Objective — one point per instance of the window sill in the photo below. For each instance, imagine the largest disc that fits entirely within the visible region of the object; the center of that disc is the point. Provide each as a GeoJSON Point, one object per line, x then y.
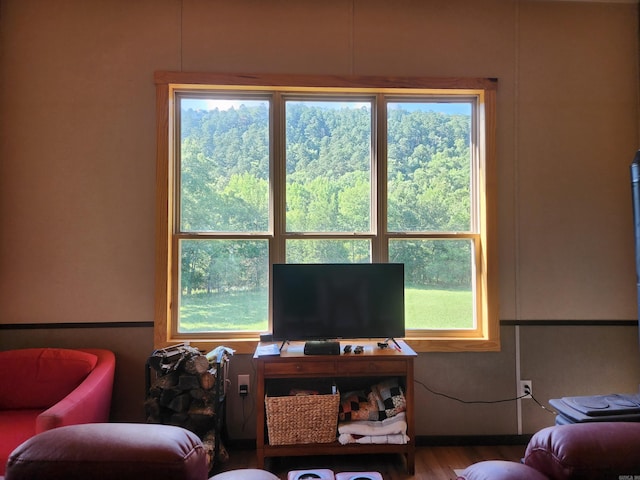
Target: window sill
{"type": "Point", "coordinates": [418, 344]}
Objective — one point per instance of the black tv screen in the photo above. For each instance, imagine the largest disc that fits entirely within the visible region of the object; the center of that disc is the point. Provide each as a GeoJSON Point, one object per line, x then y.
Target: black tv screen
{"type": "Point", "coordinates": [331, 301]}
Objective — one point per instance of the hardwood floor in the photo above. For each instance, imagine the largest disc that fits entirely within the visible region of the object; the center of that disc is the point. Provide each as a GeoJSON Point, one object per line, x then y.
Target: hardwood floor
{"type": "Point", "coordinates": [432, 463]}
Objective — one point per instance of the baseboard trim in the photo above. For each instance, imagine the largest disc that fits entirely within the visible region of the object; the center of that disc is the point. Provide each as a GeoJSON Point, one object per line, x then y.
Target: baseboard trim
{"type": "Point", "coordinates": [423, 441]}
{"type": "Point", "coordinates": [240, 443]}
{"type": "Point", "coordinates": [470, 440]}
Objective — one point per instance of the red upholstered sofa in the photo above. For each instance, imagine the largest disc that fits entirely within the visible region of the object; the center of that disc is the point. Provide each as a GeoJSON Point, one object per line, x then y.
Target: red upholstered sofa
{"type": "Point", "coordinates": [45, 388]}
{"type": "Point", "coordinates": [584, 451]}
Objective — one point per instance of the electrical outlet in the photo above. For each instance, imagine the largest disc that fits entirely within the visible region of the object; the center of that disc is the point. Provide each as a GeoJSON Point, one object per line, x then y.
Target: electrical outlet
{"type": "Point", "coordinates": [243, 385]}
{"type": "Point", "coordinates": [526, 390]}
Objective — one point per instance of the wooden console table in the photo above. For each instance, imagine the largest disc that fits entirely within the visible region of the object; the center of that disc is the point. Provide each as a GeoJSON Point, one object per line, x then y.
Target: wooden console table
{"type": "Point", "coordinates": [293, 364]}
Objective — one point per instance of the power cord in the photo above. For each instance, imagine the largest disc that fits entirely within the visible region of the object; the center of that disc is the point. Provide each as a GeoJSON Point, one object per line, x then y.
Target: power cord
{"type": "Point", "coordinates": [450, 397]}
{"type": "Point", "coordinates": [550, 410]}
{"type": "Point", "coordinates": [244, 417]}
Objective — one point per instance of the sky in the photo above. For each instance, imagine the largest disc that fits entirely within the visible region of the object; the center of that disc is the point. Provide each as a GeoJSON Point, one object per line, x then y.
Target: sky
{"type": "Point", "coordinates": [443, 107]}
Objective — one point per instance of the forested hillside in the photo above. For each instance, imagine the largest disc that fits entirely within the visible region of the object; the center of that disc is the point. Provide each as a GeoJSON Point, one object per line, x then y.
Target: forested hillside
{"type": "Point", "coordinates": [225, 187]}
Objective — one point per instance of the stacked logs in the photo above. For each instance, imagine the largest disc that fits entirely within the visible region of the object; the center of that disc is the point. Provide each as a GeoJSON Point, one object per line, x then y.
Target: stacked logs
{"type": "Point", "coordinates": [185, 392]}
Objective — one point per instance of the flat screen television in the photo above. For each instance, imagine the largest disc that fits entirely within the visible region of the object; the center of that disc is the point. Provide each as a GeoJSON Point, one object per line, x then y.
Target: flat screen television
{"type": "Point", "coordinates": [338, 301]}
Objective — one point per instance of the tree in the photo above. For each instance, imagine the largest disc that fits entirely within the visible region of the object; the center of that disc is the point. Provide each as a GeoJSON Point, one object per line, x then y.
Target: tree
{"type": "Point", "coordinates": [224, 179]}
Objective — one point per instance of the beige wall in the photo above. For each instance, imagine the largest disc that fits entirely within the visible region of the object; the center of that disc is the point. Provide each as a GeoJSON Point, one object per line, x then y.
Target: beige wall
{"type": "Point", "coordinates": [77, 173]}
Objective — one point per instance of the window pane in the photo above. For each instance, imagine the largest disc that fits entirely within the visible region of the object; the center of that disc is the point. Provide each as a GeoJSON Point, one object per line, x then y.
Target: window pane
{"type": "Point", "coordinates": [224, 165]}
{"type": "Point", "coordinates": [328, 162]}
{"type": "Point", "coordinates": [223, 285]}
{"type": "Point", "coordinates": [439, 280]}
{"type": "Point", "coordinates": [328, 251]}
{"type": "Point", "coordinates": [429, 166]}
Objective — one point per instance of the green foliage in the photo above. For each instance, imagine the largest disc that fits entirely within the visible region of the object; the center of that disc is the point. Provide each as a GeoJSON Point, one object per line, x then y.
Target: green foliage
{"type": "Point", "coordinates": [224, 187]}
{"type": "Point", "coordinates": [328, 251]}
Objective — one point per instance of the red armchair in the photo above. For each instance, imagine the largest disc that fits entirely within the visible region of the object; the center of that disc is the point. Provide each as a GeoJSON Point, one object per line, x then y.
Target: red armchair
{"type": "Point", "coordinates": [45, 388]}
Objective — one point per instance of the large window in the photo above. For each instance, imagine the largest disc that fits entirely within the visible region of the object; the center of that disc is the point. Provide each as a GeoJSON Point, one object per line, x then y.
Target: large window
{"type": "Point", "coordinates": [257, 170]}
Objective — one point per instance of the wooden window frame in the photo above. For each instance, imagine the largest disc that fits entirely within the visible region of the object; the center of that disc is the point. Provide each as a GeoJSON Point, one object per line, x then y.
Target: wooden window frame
{"type": "Point", "coordinates": [485, 338]}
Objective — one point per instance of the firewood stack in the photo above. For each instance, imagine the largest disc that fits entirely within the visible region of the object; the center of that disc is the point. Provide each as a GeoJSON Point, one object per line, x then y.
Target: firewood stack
{"type": "Point", "coordinates": [185, 392]}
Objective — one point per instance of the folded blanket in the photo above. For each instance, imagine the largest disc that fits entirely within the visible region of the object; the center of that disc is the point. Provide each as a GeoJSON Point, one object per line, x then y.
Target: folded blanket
{"type": "Point", "coordinates": [358, 405]}
{"type": "Point", "coordinates": [382, 400]}
{"type": "Point", "coordinates": [398, 439]}
{"type": "Point", "coordinates": [388, 426]}
{"type": "Point", "coordinates": [390, 397]}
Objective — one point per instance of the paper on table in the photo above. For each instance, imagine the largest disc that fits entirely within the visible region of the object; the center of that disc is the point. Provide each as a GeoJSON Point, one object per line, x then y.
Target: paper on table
{"type": "Point", "coordinates": [264, 350]}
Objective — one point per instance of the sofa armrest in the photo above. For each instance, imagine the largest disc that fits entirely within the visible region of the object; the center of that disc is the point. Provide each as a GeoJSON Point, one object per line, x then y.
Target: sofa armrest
{"type": "Point", "coordinates": [596, 450]}
{"type": "Point", "coordinates": [89, 402]}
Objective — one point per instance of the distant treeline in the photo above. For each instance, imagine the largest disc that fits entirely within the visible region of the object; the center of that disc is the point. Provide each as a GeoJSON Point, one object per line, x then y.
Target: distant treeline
{"type": "Point", "coordinates": [225, 186]}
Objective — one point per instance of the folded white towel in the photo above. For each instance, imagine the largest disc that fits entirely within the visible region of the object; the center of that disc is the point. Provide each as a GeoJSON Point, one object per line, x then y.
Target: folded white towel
{"type": "Point", "coordinates": [398, 439]}
{"type": "Point", "coordinates": [388, 426]}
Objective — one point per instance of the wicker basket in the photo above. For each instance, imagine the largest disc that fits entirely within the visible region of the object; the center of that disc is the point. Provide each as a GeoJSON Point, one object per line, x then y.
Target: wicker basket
{"type": "Point", "coordinates": [296, 419]}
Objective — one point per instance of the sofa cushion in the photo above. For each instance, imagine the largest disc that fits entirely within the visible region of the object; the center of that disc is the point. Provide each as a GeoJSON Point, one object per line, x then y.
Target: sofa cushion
{"type": "Point", "coordinates": [598, 450]}
{"type": "Point", "coordinates": [41, 377]}
{"type": "Point", "coordinates": [107, 451]}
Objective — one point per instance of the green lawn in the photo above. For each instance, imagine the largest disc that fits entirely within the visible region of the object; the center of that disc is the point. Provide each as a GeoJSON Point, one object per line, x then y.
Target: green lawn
{"type": "Point", "coordinates": [247, 311]}
{"type": "Point", "coordinates": [437, 309]}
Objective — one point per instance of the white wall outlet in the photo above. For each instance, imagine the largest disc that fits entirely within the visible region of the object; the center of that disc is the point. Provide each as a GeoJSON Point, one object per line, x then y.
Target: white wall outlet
{"type": "Point", "coordinates": [243, 384]}
{"type": "Point", "coordinates": [526, 389]}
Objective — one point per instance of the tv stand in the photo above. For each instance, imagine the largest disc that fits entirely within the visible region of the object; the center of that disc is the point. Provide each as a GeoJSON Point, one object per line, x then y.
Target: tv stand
{"type": "Point", "coordinates": [292, 365]}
